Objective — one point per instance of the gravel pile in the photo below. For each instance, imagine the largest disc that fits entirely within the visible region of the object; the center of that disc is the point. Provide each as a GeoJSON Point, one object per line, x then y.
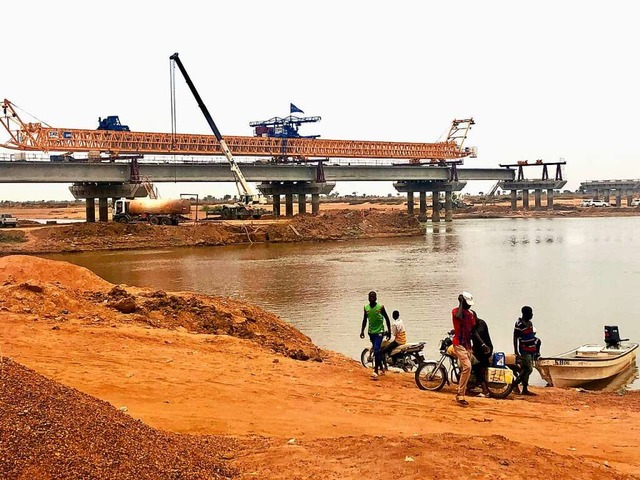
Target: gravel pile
{"type": "Point", "coordinates": [49, 431]}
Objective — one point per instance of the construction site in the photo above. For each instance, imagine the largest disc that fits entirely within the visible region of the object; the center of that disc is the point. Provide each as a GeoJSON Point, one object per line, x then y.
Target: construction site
{"type": "Point", "coordinates": [110, 380]}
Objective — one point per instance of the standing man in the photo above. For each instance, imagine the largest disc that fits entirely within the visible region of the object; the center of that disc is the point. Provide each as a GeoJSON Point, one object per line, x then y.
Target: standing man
{"type": "Point", "coordinates": [463, 326]}
{"type": "Point", "coordinates": [374, 313]}
{"type": "Point", "coordinates": [526, 347]}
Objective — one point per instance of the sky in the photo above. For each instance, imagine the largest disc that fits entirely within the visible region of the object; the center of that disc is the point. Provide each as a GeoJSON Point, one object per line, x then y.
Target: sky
{"type": "Point", "coordinates": [544, 80]}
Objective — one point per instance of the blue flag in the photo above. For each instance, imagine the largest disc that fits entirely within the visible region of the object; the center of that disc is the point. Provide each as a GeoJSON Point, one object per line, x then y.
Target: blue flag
{"type": "Point", "coordinates": [294, 109]}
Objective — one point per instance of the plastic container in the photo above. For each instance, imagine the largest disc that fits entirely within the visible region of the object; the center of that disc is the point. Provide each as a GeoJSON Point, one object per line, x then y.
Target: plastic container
{"type": "Point", "coordinates": [499, 360]}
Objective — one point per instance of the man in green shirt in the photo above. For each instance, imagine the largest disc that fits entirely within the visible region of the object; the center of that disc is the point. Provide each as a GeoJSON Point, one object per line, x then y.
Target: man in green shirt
{"type": "Point", "coordinates": [374, 313]}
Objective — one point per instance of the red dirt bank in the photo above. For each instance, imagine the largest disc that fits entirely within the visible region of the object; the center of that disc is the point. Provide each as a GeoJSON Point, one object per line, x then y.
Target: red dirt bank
{"type": "Point", "coordinates": [219, 393]}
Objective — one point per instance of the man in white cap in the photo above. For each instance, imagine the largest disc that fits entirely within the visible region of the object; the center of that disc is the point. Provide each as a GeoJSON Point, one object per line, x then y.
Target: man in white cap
{"type": "Point", "coordinates": [464, 321]}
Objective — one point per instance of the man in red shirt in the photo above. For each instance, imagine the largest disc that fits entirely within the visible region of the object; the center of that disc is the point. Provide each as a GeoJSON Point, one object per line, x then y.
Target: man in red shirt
{"type": "Point", "coordinates": [463, 322]}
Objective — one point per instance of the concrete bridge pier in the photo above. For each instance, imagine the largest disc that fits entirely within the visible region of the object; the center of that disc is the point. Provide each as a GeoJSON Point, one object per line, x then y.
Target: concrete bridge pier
{"type": "Point", "coordinates": [550, 199]}
{"type": "Point", "coordinates": [514, 200]}
{"type": "Point", "coordinates": [90, 210]}
{"type": "Point", "coordinates": [448, 206]}
{"type": "Point", "coordinates": [300, 190]}
{"type": "Point", "coordinates": [288, 204]}
{"type": "Point", "coordinates": [537, 195]}
{"type": "Point", "coordinates": [629, 198]}
{"type": "Point", "coordinates": [276, 205]}
{"type": "Point", "coordinates": [435, 187]}
{"type": "Point", "coordinates": [423, 205]}
{"type": "Point", "coordinates": [618, 198]}
{"type": "Point", "coordinates": [525, 199]}
{"type": "Point", "coordinates": [103, 209]}
{"type": "Point", "coordinates": [435, 201]}
{"type": "Point", "coordinates": [103, 192]}
{"type": "Point", "coordinates": [606, 195]}
{"type": "Point", "coordinates": [302, 203]}
{"type": "Point", "coordinates": [410, 203]}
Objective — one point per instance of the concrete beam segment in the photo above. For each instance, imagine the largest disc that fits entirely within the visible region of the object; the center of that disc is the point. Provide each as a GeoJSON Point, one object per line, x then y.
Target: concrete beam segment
{"type": "Point", "coordinates": [107, 190]}
{"type": "Point", "coordinates": [297, 188]}
{"type": "Point", "coordinates": [429, 186]}
{"type": "Point", "coordinates": [533, 185]}
{"type": "Point", "coordinates": [57, 172]}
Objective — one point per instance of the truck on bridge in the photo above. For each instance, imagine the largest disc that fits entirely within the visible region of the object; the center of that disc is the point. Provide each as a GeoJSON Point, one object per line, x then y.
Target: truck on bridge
{"type": "Point", "coordinates": [155, 211]}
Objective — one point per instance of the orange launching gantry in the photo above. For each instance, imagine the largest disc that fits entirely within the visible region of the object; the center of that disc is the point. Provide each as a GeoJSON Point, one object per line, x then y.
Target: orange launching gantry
{"type": "Point", "coordinates": [43, 138]}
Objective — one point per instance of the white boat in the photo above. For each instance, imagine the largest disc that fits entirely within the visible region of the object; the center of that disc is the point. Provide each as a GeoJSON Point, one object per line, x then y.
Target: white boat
{"type": "Point", "coordinates": [586, 364]}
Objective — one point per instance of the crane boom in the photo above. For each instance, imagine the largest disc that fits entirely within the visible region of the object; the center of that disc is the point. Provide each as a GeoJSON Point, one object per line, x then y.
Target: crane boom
{"type": "Point", "coordinates": [244, 189]}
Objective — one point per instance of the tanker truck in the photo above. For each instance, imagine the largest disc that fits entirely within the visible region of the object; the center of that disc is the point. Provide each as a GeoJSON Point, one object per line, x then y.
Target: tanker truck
{"type": "Point", "coordinates": [155, 211]}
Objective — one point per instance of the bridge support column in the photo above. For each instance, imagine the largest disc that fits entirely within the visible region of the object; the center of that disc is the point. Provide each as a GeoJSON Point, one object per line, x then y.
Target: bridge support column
{"type": "Point", "coordinates": [606, 195]}
{"type": "Point", "coordinates": [550, 199]}
{"type": "Point", "coordinates": [525, 199]}
{"type": "Point", "coordinates": [537, 195]}
{"type": "Point", "coordinates": [276, 205]}
{"type": "Point", "coordinates": [423, 206]}
{"type": "Point", "coordinates": [629, 199]}
{"type": "Point", "coordinates": [410, 203]}
{"type": "Point", "coordinates": [448, 206]}
{"type": "Point", "coordinates": [103, 209]}
{"type": "Point", "coordinates": [302, 203]}
{"type": "Point", "coordinates": [514, 200]}
{"type": "Point", "coordinates": [618, 198]}
{"type": "Point", "coordinates": [315, 203]}
{"type": "Point", "coordinates": [91, 210]}
{"type": "Point", "coordinates": [288, 204]}
{"type": "Point", "coordinates": [596, 194]}
{"type": "Point", "coordinates": [435, 200]}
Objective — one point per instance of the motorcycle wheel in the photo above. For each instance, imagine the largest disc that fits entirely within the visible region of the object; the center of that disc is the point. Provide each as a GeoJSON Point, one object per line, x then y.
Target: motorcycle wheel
{"type": "Point", "coordinates": [499, 390]}
{"type": "Point", "coordinates": [366, 358]}
{"type": "Point", "coordinates": [430, 377]}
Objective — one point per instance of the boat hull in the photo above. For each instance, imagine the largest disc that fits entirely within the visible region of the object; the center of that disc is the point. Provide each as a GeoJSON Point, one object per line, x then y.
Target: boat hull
{"type": "Point", "coordinates": [587, 364]}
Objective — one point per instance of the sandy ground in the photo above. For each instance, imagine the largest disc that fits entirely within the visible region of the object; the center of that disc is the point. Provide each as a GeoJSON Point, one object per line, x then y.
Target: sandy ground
{"type": "Point", "coordinates": [190, 364]}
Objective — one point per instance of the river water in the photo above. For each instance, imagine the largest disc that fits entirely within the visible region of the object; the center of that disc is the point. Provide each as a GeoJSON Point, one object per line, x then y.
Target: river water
{"type": "Point", "coordinates": [578, 274]}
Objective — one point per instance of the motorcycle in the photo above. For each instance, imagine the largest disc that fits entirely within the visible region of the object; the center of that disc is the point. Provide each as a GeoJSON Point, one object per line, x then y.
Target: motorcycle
{"type": "Point", "coordinates": [434, 375]}
{"type": "Point", "coordinates": [407, 357]}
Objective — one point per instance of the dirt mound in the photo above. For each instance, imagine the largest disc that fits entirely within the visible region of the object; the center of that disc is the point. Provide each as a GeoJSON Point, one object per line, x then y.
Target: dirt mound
{"type": "Point", "coordinates": [23, 268]}
{"type": "Point", "coordinates": [49, 431]}
{"type": "Point", "coordinates": [60, 291]}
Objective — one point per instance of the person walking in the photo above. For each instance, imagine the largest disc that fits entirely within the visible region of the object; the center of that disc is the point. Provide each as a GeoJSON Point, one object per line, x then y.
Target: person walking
{"type": "Point", "coordinates": [374, 313]}
{"type": "Point", "coordinates": [463, 326]}
{"type": "Point", "coordinates": [526, 346]}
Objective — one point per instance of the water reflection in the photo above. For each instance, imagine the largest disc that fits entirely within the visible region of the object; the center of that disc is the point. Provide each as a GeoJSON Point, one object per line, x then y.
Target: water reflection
{"type": "Point", "coordinates": [577, 274]}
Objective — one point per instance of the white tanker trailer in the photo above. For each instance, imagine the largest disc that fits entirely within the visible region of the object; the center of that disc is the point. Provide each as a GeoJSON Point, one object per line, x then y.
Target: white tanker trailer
{"type": "Point", "coordinates": [155, 211]}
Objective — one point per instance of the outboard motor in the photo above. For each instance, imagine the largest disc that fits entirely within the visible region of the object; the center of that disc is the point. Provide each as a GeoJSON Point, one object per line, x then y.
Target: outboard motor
{"type": "Point", "coordinates": [612, 336]}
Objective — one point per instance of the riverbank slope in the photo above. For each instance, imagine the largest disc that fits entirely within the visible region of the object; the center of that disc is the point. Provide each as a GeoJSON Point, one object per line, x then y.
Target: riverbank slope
{"type": "Point", "coordinates": [207, 387]}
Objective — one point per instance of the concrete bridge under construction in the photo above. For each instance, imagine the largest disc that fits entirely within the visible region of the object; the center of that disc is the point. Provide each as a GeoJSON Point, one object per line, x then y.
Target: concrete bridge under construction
{"type": "Point", "coordinates": [104, 181]}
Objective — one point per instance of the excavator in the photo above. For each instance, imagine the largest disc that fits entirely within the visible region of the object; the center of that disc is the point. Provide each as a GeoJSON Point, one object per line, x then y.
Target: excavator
{"type": "Point", "coordinates": [251, 203]}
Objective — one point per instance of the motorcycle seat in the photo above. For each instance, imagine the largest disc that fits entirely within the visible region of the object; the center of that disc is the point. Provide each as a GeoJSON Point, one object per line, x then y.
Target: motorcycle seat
{"type": "Point", "coordinates": [407, 347]}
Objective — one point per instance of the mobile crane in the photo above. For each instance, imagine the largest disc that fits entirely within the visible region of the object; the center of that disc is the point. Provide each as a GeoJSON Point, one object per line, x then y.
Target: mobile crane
{"type": "Point", "coordinates": [250, 202]}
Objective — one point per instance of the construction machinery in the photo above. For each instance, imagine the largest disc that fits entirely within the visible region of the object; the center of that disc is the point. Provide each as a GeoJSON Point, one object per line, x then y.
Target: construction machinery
{"type": "Point", "coordinates": [39, 137]}
{"type": "Point", "coordinates": [112, 123]}
{"type": "Point", "coordinates": [279, 127]}
{"type": "Point", "coordinates": [250, 202]}
{"type": "Point", "coordinates": [152, 210]}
